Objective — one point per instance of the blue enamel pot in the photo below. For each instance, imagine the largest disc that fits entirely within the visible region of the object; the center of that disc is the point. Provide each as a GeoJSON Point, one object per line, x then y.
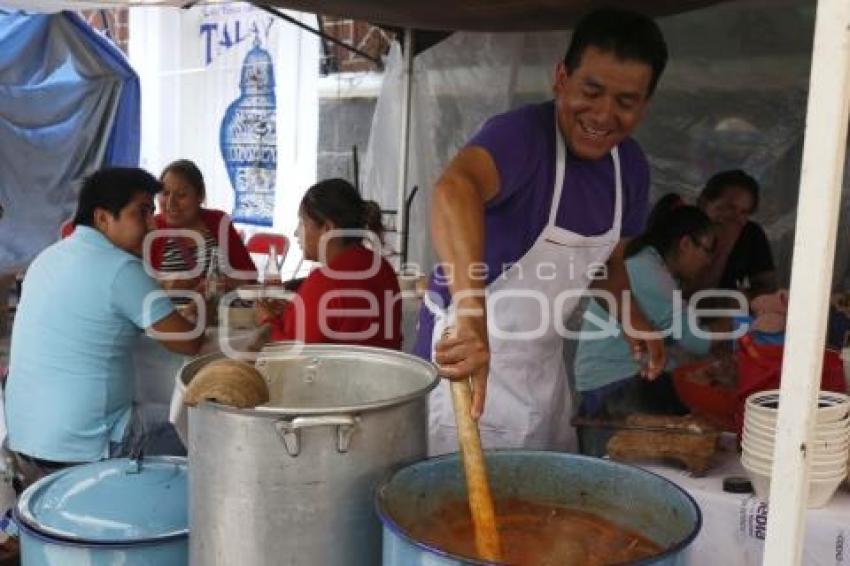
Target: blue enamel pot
{"type": "Point", "coordinates": [120, 511]}
{"type": "Point", "coordinates": [630, 497]}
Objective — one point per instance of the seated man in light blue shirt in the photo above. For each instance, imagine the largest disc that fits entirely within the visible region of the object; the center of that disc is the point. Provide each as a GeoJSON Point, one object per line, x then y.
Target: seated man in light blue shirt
{"type": "Point", "coordinates": [677, 245]}
{"type": "Point", "coordinates": [69, 395]}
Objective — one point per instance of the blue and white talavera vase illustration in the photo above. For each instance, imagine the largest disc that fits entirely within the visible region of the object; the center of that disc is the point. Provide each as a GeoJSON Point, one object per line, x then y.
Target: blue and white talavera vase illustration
{"type": "Point", "coordinates": [248, 140]}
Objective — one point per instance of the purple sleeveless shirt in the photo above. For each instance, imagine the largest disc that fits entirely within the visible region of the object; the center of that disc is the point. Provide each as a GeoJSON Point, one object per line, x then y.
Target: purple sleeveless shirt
{"type": "Point", "coordinates": [522, 145]}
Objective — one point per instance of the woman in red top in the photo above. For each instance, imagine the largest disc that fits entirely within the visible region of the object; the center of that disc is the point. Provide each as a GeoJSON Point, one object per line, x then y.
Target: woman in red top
{"type": "Point", "coordinates": [181, 207]}
{"type": "Point", "coordinates": [353, 296]}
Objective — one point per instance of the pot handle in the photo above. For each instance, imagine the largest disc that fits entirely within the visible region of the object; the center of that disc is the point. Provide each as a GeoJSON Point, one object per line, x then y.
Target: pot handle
{"type": "Point", "coordinates": [290, 430]}
{"type": "Point", "coordinates": [137, 452]}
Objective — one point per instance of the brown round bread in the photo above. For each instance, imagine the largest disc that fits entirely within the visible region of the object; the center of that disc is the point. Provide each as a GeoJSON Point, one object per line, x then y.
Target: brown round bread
{"type": "Point", "coordinates": [228, 382]}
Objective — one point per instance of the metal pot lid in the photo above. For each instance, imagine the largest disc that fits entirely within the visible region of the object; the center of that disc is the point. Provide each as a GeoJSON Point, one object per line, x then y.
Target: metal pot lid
{"type": "Point", "coordinates": [111, 501]}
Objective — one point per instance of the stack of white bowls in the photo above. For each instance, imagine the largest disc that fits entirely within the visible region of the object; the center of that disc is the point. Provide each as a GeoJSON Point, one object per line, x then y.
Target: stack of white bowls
{"type": "Point", "coordinates": [829, 449]}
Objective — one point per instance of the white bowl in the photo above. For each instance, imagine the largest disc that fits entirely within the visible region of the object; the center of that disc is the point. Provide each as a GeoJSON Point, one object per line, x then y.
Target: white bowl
{"type": "Point", "coordinates": [752, 432]}
{"type": "Point", "coordinates": [828, 463]}
{"type": "Point", "coordinates": [820, 490]}
{"type": "Point", "coordinates": [760, 462]}
{"type": "Point", "coordinates": [819, 446]}
{"type": "Point", "coordinates": [754, 446]}
{"type": "Point", "coordinates": [831, 406]}
{"type": "Point", "coordinates": [834, 432]}
{"type": "Point", "coordinates": [826, 468]}
{"type": "Point", "coordinates": [761, 450]}
{"type": "Point", "coordinates": [770, 420]}
{"type": "Point", "coordinates": [816, 471]}
{"type": "Point", "coordinates": [830, 445]}
{"type": "Point", "coordinates": [819, 462]}
{"type": "Point", "coordinates": [822, 429]}
{"type": "Point", "coordinates": [759, 479]}
{"type": "Point", "coordinates": [762, 465]}
{"type": "Point", "coordinates": [826, 448]}
{"type": "Point", "coordinates": [755, 429]}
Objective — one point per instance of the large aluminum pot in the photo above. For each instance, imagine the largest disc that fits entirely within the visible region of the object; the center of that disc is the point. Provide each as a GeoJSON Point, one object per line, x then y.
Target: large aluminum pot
{"type": "Point", "coordinates": [119, 511]}
{"type": "Point", "coordinates": [628, 496]}
{"type": "Point", "coordinates": [291, 482]}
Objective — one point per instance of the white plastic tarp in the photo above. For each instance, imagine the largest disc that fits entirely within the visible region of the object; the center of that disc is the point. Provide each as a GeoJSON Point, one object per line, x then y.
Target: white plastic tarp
{"type": "Point", "coordinates": [733, 96]}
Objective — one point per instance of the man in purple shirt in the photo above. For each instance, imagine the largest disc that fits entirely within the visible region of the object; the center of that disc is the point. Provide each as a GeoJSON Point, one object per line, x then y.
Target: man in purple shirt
{"type": "Point", "coordinates": [522, 218]}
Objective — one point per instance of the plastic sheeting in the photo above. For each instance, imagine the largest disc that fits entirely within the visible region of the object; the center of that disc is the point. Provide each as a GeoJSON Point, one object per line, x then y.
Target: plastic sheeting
{"type": "Point", "coordinates": [69, 104]}
{"type": "Point", "coordinates": [479, 15]}
{"type": "Point", "coordinates": [733, 96]}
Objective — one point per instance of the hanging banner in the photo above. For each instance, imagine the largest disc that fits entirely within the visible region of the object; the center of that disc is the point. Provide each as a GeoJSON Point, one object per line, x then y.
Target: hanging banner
{"type": "Point", "coordinates": [234, 89]}
{"type": "Point", "coordinates": [248, 140]}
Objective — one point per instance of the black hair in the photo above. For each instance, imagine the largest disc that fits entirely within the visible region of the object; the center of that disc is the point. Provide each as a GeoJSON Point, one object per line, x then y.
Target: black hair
{"type": "Point", "coordinates": [190, 173]}
{"type": "Point", "coordinates": [664, 206]}
{"type": "Point", "coordinates": [337, 201]}
{"type": "Point", "coordinates": [628, 35]}
{"type": "Point", "coordinates": [669, 222]}
{"type": "Point", "coordinates": [719, 183]}
{"type": "Point", "coordinates": [112, 188]}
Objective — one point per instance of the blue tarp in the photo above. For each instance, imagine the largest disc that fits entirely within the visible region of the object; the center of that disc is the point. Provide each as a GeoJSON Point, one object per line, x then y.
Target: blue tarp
{"type": "Point", "coordinates": [69, 104]}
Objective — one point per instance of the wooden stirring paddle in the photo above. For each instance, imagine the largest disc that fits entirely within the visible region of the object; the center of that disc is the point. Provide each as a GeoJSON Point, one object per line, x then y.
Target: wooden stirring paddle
{"type": "Point", "coordinates": [478, 487]}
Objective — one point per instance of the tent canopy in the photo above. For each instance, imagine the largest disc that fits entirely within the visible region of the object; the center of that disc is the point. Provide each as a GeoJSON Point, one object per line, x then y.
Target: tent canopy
{"type": "Point", "coordinates": [450, 15]}
{"type": "Point", "coordinates": [481, 15]}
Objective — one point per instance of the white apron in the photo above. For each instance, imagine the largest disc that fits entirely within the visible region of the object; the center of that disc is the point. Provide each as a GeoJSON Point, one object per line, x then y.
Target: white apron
{"type": "Point", "coordinates": [528, 402]}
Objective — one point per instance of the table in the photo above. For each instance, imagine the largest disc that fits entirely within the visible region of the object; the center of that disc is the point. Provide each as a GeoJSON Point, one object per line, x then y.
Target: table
{"type": "Point", "coordinates": [734, 525]}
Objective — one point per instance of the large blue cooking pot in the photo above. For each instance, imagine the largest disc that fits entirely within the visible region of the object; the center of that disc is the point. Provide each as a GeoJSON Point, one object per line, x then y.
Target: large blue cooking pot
{"type": "Point", "coordinates": [630, 497]}
{"type": "Point", "coordinates": [127, 512]}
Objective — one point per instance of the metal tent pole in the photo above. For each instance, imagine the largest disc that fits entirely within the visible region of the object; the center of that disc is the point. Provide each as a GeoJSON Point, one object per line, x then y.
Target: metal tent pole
{"type": "Point", "coordinates": [811, 277]}
{"type": "Point", "coordinates": [404, 156]}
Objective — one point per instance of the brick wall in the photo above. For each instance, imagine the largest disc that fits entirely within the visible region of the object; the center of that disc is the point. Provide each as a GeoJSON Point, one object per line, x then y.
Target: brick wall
{"type": "Point", "coordinates": [113, 21]}
{"type": "Point", "coordinates": [343, 123]}
{"type": "Point", "coordinates": [365, 37]}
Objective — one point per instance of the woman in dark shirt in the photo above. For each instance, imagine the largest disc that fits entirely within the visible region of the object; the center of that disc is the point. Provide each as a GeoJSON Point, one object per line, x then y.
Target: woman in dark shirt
{"type": "Point", "coordinates": [743, 260]}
